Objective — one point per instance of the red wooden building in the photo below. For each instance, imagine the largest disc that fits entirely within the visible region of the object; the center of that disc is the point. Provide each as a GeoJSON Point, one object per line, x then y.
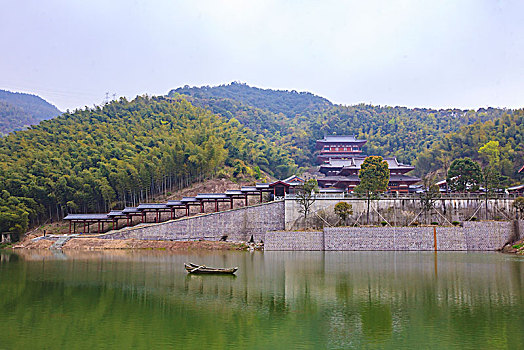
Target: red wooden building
{"type": "Point", "coordinates": [341, 159]}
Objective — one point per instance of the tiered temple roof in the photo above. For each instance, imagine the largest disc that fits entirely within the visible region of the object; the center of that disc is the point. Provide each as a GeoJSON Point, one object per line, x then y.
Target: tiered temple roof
{"type": "Point", "coordinates": [341, 159]}
{"type": "Point", "coordinates": [338, 147]}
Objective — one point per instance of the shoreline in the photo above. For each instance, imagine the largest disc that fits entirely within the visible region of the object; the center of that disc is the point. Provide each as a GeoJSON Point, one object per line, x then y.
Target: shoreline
{"type": "Point", "coordinates": [92, 243]}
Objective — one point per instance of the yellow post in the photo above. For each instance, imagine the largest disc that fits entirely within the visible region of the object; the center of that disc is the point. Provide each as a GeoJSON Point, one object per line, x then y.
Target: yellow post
{"type": "Point", "coordinates": [435, 237]}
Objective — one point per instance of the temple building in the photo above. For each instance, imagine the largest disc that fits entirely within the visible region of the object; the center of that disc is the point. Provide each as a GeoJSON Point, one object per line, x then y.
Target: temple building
{"type": "Point", "coordinates": [341, 158]}
{"type": "Point", "coordinates": [338, 147]}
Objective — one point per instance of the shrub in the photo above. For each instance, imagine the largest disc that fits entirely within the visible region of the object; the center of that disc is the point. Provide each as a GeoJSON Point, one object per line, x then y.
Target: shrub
{"type": "Point", "coordinates": [434, 223]}
{"type": "Point", "coordinates": [383, 223]}
{"type": "Point", "coordinates": [224, 174]}
{"type": "Point", "coordinates": [455, 223]}
{"type": "Point", "coordinates": [474, 218]}
{"type": "Point", "coordinates": [343, 210]}
{"type": "Point", "coordinates": [416, 223]}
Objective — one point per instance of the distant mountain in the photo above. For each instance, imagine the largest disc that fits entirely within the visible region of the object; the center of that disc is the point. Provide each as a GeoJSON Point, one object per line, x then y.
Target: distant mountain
{"type": "Point", "coordinates": [289, 103]}
{"type": "Point", "coordinates": [19, 110]}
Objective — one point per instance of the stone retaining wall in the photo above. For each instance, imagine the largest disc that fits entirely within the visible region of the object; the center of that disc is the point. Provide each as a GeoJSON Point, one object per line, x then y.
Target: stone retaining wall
{"type": "Point", "coordinates": [238, 224]}
{"type": "Point", "coordinates": [294, 240]}
{"type": "Point", "coordinates": [484, 236]}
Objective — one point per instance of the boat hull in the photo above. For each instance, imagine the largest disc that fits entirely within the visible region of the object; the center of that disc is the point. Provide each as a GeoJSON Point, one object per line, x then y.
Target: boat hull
{"type": "Point", "coordinates": [202, 270]}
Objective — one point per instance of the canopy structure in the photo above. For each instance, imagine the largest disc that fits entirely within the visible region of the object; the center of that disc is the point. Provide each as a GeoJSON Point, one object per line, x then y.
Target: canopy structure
{"type": "Point", "coordinates": [188, 202]}
{"type": "Point", "coordinates": [156, 208]}
{"type": "Point", "coordinates": [213, 197]}
{"type": "Point", "coordinates": [174, 205]}
{"type": "Point", "coordinates": [236, 194]}
{"type": "Point", "coordinates": [116, 215]}
{"type": "Point", "coordinates": [88, 219]}
{"type": "Point", "coordinates": [276, 189]}
{"type": "Point", "coordinates": [250, 191]}
{"type": "Point", "coordinates": [129, 213]}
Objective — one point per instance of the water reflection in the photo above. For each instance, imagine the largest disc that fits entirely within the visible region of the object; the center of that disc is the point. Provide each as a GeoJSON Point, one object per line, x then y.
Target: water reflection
{"type": "Point", "coordinates": [277, 299]}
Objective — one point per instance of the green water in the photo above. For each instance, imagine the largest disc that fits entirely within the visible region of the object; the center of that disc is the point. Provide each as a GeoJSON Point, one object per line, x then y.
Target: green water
{"type": "Point", "coordinates": [279, 300]}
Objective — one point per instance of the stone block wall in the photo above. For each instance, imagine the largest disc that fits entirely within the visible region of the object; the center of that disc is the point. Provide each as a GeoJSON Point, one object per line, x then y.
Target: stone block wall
{"type": "Point", "coordinates": [238, 224]}
{"type": "Point", "coordinates": [485, 236]}
{"type": "Point", "coordinates": [294, 240]}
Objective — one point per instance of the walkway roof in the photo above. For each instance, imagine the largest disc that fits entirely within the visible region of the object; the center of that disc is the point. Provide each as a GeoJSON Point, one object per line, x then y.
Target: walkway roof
{"type": "Point", "coordinates": [114, 213]}
{"type": "Point", "coordinates": [202, 196]}
{"type": "Point", "coordinates": [87, 217]}
{"type": "Point", "coordinates": [233, 192]}
{"type": "Point", "coordinates": [189, 200]}
{"type": "Point", "coordinates": [154, 206]}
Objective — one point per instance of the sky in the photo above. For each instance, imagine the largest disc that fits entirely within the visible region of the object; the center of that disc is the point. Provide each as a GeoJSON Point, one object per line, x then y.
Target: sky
{"type": "Point", "coordinates": [439, 54]}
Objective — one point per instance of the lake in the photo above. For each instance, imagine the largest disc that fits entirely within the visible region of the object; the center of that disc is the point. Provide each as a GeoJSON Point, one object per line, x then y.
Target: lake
{"type": "Point", "coordinates": [278, 300]}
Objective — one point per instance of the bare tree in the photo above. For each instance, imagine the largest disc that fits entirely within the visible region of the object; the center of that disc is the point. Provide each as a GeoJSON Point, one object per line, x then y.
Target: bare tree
{"type": "Point", "coordinates": [306, 197]}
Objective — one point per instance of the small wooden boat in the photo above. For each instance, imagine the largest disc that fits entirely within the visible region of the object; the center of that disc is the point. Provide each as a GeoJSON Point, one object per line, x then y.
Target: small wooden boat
{"type": "Point", "coordinates": [203, 269]}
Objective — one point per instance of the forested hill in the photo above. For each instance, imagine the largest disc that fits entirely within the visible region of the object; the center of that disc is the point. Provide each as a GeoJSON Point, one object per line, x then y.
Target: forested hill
{"type": "Point", "coordinates": [507, 130]}
{"type": "Point", "coordinates": [19, 110]}
{"type": "Point", "coordinates": [390, 131]}
{"type": "Point", "coordinates": [120, 154]}
{"type": "Point", "coordinates": [289, 103]}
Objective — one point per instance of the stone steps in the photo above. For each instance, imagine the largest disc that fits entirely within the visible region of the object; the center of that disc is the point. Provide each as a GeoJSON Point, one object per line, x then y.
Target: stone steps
{"type": "Point", "coordinates": [61, 241]}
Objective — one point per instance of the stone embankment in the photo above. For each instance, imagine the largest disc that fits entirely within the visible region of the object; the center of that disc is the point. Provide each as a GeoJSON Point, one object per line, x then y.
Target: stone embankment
{"type": "Point", "coordinates": [479, 236]}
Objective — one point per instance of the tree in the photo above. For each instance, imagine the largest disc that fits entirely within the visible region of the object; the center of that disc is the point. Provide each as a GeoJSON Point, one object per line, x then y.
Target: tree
{"type": "Point", "coordinates": [464, 175]}
{"type": "Point", "coordinates": [306, 197]}
{"type": "Point", "coordinates": [429, 196]}
{"type": "Point", "coordinates": [343, 210]}
{"type": "Point", "coordinates": [491, 177]}
{"type": "Point", "coordinates": [518, 203]}
{"type": "Point", "coordinates": [374, 179]}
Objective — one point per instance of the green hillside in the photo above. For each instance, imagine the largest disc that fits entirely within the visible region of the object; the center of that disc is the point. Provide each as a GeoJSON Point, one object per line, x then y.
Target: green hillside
{"type": "Point", "coordinates": [95, 159]}
{"type": "Point", "coordinates": [391, 131]}
{"type": "Point", "coordinates": [125, 152]}
{"type": "Point", "coordinates": [19, 110]}
{"type": "Point", "coordinates": [507, 130]}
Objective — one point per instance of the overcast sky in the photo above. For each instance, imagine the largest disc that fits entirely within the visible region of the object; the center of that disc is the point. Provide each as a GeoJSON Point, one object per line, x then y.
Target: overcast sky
{"type": "Point", "coordinates": [465, 54]}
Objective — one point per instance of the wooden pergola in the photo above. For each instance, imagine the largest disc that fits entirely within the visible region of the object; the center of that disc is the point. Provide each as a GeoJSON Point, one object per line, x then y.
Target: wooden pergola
{"type": "Point", "coordinates": [190, 201]}
{"type": "Point", "coordinates": [176, 205]}
{"type": "Point", "coordinates": [129, 212]}
{"type": "Point", "coordinates": [88, 219]}
{"type": "Point", "coordinates": [236, 194]}
{"type": "Point", "coordinates": [213, 197]}
{"type": "Point", "coordinates": [156, 208]}
{"type": "Point", "coordinates": [263, 187]}
{"type": "Point", "coordinates": [115, 215]}
{"type": "Point", "coordinates": [250, 191]}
